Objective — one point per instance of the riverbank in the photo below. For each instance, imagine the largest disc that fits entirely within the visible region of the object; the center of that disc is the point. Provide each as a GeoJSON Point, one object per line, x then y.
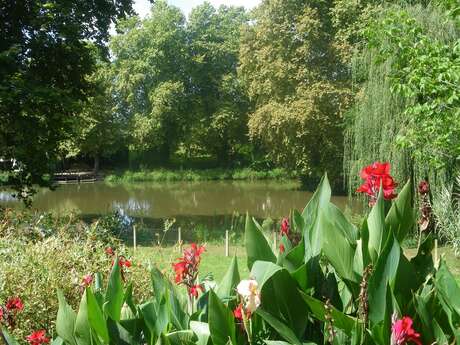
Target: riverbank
{"type": "Point", "coordinates": [161, 175]}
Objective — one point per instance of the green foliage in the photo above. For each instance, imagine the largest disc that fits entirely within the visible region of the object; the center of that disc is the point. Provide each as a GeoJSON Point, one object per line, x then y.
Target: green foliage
{"type": "Point", "coordinates": [297, 85]}
{"type": "Point", "coordinates": [219, 101]}
{"type": "Point", "coordinates": [45, 57]}
{"type": "Point", "coordinates": [407, 110]}
{"type": "Point", "coordinates": [160, 175]}
{"type": "Point", "coordinates": [148, 80]}
{"type": "Point", "coordinates": [345, 291]}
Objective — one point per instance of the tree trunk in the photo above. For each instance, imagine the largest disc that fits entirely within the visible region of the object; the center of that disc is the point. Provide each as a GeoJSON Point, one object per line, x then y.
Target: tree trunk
{"type": "Point", "coordinates": [96, 164]}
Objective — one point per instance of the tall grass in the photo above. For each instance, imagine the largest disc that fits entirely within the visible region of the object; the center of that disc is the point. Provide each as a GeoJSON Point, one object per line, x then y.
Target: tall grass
{"type": "Point", "coordinates": [160, 175]}
{"type": "Point", "coordinates": [446, 207]}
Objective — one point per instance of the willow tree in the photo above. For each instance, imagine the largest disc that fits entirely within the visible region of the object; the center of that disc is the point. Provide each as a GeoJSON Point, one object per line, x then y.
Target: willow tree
{"type": "Point", "coordinates": [408, 109]}
{"type": "Point", "coordinates": [298, 85]}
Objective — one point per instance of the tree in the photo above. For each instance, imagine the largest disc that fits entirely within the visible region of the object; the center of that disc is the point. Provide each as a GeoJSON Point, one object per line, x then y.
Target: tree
{"type": "Point", "coordinates": [45, 56]}
{"type": "Point", "coordinates": [149, 79]}
{"type": "Point", "coordinates": [219, 101]}
{"type": "Point", "coordinates": [407, 112]}
{"type": "Point", "coordinates": [298, 84]}
{"type": "Point", "coordinates": [100, 130]}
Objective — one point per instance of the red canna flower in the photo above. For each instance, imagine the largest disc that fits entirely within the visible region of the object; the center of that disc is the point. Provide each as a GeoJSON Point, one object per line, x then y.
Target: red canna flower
{"type": "Point", "coordinates": [402, 332]}
{"type": "Point", "coordinates": [423, 187]}
{"type": "Point", "coordinates": [87, 280]}
{"type": "Point", "coordinates": [194, 290]}
{"type": "Point", "coordinates": [285, 228]}
{"type": "Point", "coordinates": [186, 268]}
{"type": "Point", "coordinates": [14, 303]}
{"type": "Point", "coordinates": [109, 251]}
{"type": "Point", "coordinates": [38, 338]}
{"type": "Point", "coordinates": [282, 249]}
{"type": "Point", "coordinates": [1, 313]}
{"type": "Point", "coordinates": [376, 175]}
{"type": "Point", "coordinates": [238, 312]}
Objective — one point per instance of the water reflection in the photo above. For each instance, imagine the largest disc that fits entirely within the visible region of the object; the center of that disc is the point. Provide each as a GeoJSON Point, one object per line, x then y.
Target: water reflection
{"type": "Point", "coordinates": [160, 200]}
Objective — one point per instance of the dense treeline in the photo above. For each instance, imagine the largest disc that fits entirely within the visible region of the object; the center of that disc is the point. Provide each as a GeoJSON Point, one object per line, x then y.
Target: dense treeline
{"type": "Point", "coordinates": [284, 85]}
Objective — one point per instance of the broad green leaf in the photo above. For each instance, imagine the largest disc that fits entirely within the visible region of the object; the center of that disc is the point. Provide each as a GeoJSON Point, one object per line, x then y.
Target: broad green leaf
{"type": "Point", "coordinates": [295, 257]}
{"type": "Point", "coordinates": [65, 321]}
{"type": "Point", "coordinates": [425, 317]}
{"type": "Point", "coordinates": [114, 295]}
{"type": "Point", "coordinates": [57, 341]}
{"type": "Point", "coordinates": [128, 298]}
{"type": "Point", "coordinates": [176, 309]}
{"type": "Point", "coordinates": [342, 321]}
{"type": "Point", "coordinates": [221, 321]}
{"type": "Point", "coordinates": [8, 338]}
{"type": "Point", "coordinates": [341, 224]}
{"type": "Point", "coordinates": [257, 247]}
{"type": "Point", "coordinates": [118, 334]}
{"type": "Point", "coordinates": [185, 337]}
{"type": "Point", "coordinates": [301, 277]}
{"type": "Point", "coordinates": [263, 270]}
{"type": "Point", "coordinates": [148, 312]}
{"type": "Point", "coordinates": [400, 219]}
{"type": "Point", "coordinates": [447, 288]}
{"type": "Point", "coordinates": [384, 273]}
{"type": "Point", "coordinates": [313, 234]}
{"type": "Point", "coordinates": [158, 283]}
{"type": "Point", "coordinates": [279, 326]}
{"type": "Point", "coordinates": [280, 296]}
{"type": "Point", "coordinates": [376, 226]}
{"type": "Point", "coordinates": [231, 279]}
{"type": "Point", "coordinates": [162, 315]}
{"type": "Point", "coordinates": [440, 336]}
{"type": "Point", "coordinates": [82, 327]}
{"type": "Point", "coordinates": [96, 318]}
{"type": "Point", "coordinates": [201, 329]}
{"type": "Point", "coordinates": [337, 247]}
{"type": "Point", "coordinates": [423, 261]}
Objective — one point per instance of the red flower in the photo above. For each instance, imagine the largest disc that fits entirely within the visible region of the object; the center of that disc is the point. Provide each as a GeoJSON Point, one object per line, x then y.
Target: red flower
{"type": "Point", "coordinates": [282, 249]}
{"type": "Point", "coordinates": [38, 338]}
{"type": "Point", "coordinates": [1, 313]}
{"type": "Point", "coordinates": [109, 251]}
{"type": "Point", "coordinates": [285, 228]}
{"type": "Point", "coordinates": [376, 175]}
{"type": "Point", "coordinates": [87, 280]}
{"type": "Point", "coordinates": [403, 333]}
{"type": "Point", "coordinates": [14, 303]}
{"type": "Point", "coordinates": [194, 290]}
{"type": "Point", "coordinates": [238, 312]}
{"type": "Point", "coordinates": [186, 268]}
{"type": "Point", "coordinates": [123, 262]}
{"type": "Point", "coordinates": [424, 187]}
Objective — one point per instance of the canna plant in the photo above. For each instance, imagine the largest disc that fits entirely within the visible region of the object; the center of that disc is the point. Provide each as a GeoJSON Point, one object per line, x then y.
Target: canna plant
{"type": "Point", "coordinates": [329, 282]}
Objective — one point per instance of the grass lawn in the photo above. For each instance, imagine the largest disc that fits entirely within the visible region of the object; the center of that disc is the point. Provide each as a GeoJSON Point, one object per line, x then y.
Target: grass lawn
{"type": "Point", "coordinates": [215, 262]}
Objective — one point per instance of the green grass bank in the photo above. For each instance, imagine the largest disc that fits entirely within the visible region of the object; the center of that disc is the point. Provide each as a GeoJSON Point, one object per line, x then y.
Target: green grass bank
{"type": "Point", "coordinates": [217, 174]}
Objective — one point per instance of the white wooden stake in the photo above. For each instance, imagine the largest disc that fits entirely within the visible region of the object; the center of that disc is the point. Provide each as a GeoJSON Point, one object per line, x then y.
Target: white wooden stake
{"type": "Point", "coordinates": [275, 240]}
{"type": "Point", "coordinates": [134, 237]}
{"type": "Point", "coordinates": [226, 244]}
{"type": "Point", "coordinates": [179, 238]}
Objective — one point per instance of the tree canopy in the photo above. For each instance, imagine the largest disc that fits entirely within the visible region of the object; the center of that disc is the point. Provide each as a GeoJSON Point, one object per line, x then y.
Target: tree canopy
{"type": "Point", "coordinates": [45, 56]}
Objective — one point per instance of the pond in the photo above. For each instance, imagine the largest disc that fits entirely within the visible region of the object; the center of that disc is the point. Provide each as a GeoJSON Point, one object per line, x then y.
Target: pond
{"type": "Point", "coordinates": [213, 204]}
